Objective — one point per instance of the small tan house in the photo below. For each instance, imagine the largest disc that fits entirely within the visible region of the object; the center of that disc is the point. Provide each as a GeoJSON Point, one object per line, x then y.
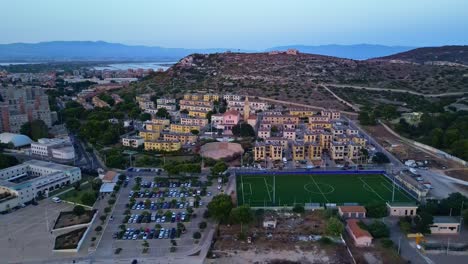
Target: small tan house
{"type": "Point", "coordinates": [352, 211]}
{"type": "Point", "coordinates": [361, 237]}
{"type": "Point", "coordinates": [402, 209]}
{"type": "Point", "coordinates": [445, 225]}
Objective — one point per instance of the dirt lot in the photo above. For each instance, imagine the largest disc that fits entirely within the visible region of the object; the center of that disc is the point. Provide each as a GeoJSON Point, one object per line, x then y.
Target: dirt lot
{"type": "Point", "coordinates": [288, 241]}
{"type": "Point", "coordinates": [376, 254]}
{"type": "Point", "coordinates": [461, 174]}
{"type": "Point", "coordinates": [69, 219]}
{"type": "Point", "coordinates": [404, 152]}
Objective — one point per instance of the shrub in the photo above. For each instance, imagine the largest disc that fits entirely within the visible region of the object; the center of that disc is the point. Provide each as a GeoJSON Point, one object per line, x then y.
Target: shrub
{"type": "Point", "coordinates": [386, 243]}
{"type": "Point", "coordinates": [196, 235]}
{"type": "Point", "coordinates": [202, 225]}
{"type": "Point", "coordinates": [325, 240]}
{"type": "Point", "coordinates": [173, 249]}
{"type": "Point", "coordinates": [111, 201]}
{"type": "Point", "coordinates": [103, 218]}
{"type": "Point", "coordinates": [298, 209]}
{"type": "Point", "coordinates": [117, 251]}
{"type": "Point", "coordinates": [93, 239]}
{"type": "Point", "coordinates": [98, 229]}
{"type": "Point", "coordinates": [107, 210]}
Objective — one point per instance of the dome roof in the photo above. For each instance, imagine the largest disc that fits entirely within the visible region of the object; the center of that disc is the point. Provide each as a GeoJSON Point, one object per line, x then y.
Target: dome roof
{"type": "Point", "coordinates": [17, 140]}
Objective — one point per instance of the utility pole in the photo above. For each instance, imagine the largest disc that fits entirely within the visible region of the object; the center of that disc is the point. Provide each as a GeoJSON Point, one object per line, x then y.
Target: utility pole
{"type": "Point", "coordinates": [461, 217]}
{"type": "Point", "coordinates": [448, 245]}
{"type": "Point", "coordinates": [399, 245]}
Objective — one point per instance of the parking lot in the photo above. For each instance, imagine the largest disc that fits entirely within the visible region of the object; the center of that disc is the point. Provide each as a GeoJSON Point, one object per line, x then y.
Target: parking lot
{"type": "Point", "coordinates": [159, 211]}
{"type": "Point", "coordinates": [26, 232]}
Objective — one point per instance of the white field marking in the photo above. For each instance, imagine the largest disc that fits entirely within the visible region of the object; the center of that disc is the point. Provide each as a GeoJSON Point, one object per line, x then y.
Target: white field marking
{"type": "Point", "coordinates": [319, 188]}
{"type": "Point", "coordinates": [268, 189]}
{"type": "Point", "coordinates": [371, 188]}
{"type": "Point", "coordinates": [396, 189]}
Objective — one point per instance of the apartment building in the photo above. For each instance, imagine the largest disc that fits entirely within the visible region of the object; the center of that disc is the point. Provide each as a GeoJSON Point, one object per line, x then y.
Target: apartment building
{"type": "Point", "coordinates": [210, 97]}
{"type": "Point", "coordinates": [301, 112]}
{"type": "Point", "coordinates": [201, 122]}
{"type": "Point", "coordinates": [183, 138]}
{"type": "Point", "coordinates": [232, 97]}
{"type": "Point", "coordinates": [180, 128]}
{"type": "Point", "coordinates": [272, 151]}
{"type": "Point", "coordinates": [198, 114]}
{"type": "Point", "coordinates": [193, 96]}
{"type": "Point", "coordinates": [165, 101]}
{"type": "Point", "coordinates": [133, 141]}
{"type": "Point", "coordinates": [168, 107]}
{"type": "Point", "coordinates": [24, 104]}
{"type": "Point", "coordinates": [331, 114]}
{"type": "Point", "coordinates": [149, 135]}
{"type": "Point", "coordinates": [280, 119]}
{"type": "Point", "coordinates": [163, 145]}
{"type": "Point", "coordinates": [196, 103]}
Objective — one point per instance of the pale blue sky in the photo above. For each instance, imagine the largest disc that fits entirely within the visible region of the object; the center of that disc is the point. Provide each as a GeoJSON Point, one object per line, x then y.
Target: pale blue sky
{"type": "Point", "coordinates": [248, 24]}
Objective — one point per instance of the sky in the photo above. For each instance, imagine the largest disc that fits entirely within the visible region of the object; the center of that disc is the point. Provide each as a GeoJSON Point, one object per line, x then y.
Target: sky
{"type": "Point", "coordinates": [245, 24]}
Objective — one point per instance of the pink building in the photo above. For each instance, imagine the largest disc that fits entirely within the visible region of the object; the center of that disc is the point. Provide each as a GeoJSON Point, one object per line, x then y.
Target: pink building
{"type": "Point", "coordinates": [230, 119]}
{"type": "Point", "coordinates": [361, 237]}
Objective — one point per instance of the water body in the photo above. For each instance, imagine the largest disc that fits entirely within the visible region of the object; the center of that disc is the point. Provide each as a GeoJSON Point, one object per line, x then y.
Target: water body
{"type": "Point", "coordinates": [17, 63]}
{"type": "Point", "coordinates": [136, 65]}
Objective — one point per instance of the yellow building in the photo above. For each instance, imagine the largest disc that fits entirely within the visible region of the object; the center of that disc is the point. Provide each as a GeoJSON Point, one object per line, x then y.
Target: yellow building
{"type": "Point", "coordinates": [259, 152]}
{"type": "Point", "coordinates": [319, 125]}
{"type": "Point", "coordinates": [163, 145]}
{"type": "Point", "coordinates": [280, 119]}
{"type": "Point", "coordinates": [273, 151]}
{"type": "Point", "coordinates": [149, 135]}
{"type": "Point", "coordinates": [360, 141]}
{"type": "Point", "coordinates": [154, 126]}
{"type": "Point", "coordinates": [325, 140]}
{"type": "Point", "coordinates": [301, 112]}
{"type": "Point", "coordinates": [311, 136]}
{"type": "Point", "coordinates": [314, 151]}
{"type": "Point", "coordinates": [195, 103]}
{"type": "Point", "coordinates": [161, 121]}
{"type": "Point", "coordinates": [337, 151]}
{"type": "Point", "coordinates": [193, 97]}
{"type": "Point", "coordinates": [199, 114]}
{"type": "Point", "coordinates": [210, 97]}
{"type": "Point", "coordinates": [183, 138]}
{"type": "Point", "coordinates": [298, 151]}
{"type": "Point", "coordinates": [179, 128]}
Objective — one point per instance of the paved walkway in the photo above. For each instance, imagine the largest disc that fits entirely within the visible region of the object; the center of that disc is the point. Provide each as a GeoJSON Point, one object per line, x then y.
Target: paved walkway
{"type": "Point", "coordinates": [379, 89]}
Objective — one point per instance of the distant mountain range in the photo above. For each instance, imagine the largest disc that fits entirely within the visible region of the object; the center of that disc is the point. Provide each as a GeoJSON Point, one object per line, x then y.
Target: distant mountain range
{"type": "Point", "coordinates": [104, 51]}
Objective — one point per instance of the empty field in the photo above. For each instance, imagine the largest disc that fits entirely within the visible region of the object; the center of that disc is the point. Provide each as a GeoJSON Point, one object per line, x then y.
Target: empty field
{"type": "Point", "coordinates": [285, 190]}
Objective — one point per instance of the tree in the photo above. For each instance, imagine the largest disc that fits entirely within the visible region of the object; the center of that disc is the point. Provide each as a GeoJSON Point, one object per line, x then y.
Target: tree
{"type": "Point", "coordinates": [162, 113]}
{"type": "Point", "coordinates": [298, 209]}
{"type": "Point", "coordinates": [366, 118]}
{"type": "Point", "coordinates": [220, 206]}
{"type": "Point", "coordinates": [378, 229]}
{"type": "Point", "coordinates": [423, 220]}
{"type": "Point", "coordinates": [465, 216]}
{"type": "Point", "coordinates": [35, 130]}
{"type": "Point", "coordinates": [7, 161]}
{"type": "Point", "coordinates": [78, 210]}
{"type": "Point", "coordinates": [219, 168]}
{"type": "Point", "coordinates": [243, 130]}
{"type": "Point", "coordinates": [334, 227]}
{"type": "Point", "coordinates": [77, 185]}
{"type": "Point", "coordinates": [242, 214]}
{"type": "Point", "coordinates": [184, 111]}
{"type": "Point", "coordinates": [376, 209]}
{"type": "Point", "coordinates": [195, 132]}
{"type": "Point", "coordinates": [452, 204]}
{"type": "Point", "coordinates": [88, 198]}
{"type": "Point", "coordinates": [380, 158]}
{"type": "Point", "coordinates": [145, 116]}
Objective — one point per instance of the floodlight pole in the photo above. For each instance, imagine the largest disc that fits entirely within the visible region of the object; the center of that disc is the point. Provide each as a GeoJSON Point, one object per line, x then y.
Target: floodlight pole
{"type": "Point", "coordinates": [274, 188]}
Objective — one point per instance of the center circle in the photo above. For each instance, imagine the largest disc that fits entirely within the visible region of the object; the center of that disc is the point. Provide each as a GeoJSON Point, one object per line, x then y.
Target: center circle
{"type": "Point", "coordinates": [323, 188]}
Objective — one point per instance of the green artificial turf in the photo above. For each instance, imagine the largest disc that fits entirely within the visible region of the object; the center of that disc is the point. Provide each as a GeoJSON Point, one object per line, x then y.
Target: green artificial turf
{"type": "Point", "coordinates": [257, 190]}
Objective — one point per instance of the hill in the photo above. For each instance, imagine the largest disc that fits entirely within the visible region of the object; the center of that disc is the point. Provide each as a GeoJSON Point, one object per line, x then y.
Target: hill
{"type": "Point", "coordinates": [445, 55]}
{"type": "Point", "coordinates": [356, 52]}
{"type": "Point", "coordinates": [293, 76]}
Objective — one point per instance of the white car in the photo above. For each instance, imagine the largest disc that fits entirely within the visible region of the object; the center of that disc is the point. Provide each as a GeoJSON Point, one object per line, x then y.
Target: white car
{"type": "Point", "coordinates": [56, 200]}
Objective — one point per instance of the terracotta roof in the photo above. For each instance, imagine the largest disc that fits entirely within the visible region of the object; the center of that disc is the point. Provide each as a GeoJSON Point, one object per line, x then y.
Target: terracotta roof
{"type": "Point", "coordinates": [352, 209]}
{"type": "Point", "coordinates": [231, 112]}
{"type": "Point", "coordinates": [109, 176]}
{"type": "Point", "coordinates": [356, 230]}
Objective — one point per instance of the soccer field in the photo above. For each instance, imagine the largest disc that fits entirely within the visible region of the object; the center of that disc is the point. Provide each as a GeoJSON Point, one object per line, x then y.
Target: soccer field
{"type": "Point", "coordinates": [257, 190]}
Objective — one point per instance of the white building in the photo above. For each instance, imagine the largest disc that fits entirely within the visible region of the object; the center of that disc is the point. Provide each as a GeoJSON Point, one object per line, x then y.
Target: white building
{"type": "Point", "coordinates": [57, 148]}
{"type": "Point", "coordinates": [163, 101]}
{"type": "Point", "coordinates": [232, 97]}
{"type": "Point", "coordinates": [22, 183]}
{"type": "Point", "coordinates": [133, 141]}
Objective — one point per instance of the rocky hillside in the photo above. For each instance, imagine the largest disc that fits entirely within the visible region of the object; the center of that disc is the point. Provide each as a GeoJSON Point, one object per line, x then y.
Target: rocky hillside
{"type": "Point", "coordinates": [292, 75]}
{"type": "Point", "coordinates": [446, 55]}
